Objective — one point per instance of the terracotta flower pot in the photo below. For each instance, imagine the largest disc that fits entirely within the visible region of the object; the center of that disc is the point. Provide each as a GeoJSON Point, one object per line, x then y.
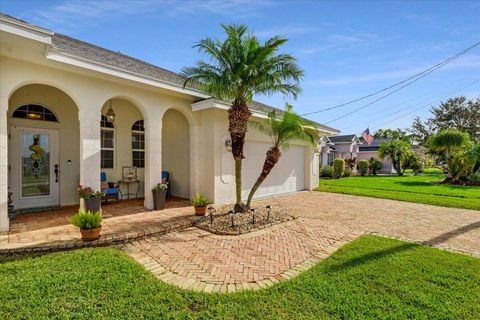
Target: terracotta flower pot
{"type": "Point", "coordinates": [93, 204]}
{"type": "Point", "coordinates": [159, 199]}
{"type": "Point", "coordinates": [200, 211]}
{"type": "Point", "coordinates": [90, 234]}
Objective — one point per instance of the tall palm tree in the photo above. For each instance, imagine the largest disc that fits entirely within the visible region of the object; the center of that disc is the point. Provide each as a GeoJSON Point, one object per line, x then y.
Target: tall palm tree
{"type": "Point", "coordinates": [282, 129]}
{"type": "Point", "coordinates": [398, 151]}
{"type": "Point", "coordinates": [239, 68]}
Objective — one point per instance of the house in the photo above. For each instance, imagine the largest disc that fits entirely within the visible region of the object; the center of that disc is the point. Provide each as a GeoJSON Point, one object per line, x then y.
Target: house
{"type": "Point", "coordinates": [58, 97]}
{"type": "Point", "coordinates": [352, 146]}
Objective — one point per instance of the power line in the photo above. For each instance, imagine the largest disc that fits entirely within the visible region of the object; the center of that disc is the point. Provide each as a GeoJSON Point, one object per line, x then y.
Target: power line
{"type": "Point", "coordinates": [419, 75]}
{"type": "Point", "coordinates": [429, 98]}
{"type": "Point", "coordinates": [423, 106]}
{"type": "Point", "coordinates": [390, 93]}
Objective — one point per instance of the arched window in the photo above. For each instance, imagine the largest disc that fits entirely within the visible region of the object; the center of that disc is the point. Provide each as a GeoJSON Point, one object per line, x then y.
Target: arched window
{"type": "Point", "coordinates": [107, 131]}
{"type": "Point", "coordinates": [138, 144]}
{"type": "Point", "coordinates": [34, 112]}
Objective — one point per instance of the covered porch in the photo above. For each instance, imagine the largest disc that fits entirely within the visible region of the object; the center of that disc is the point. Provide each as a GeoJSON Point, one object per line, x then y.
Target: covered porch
{"type": "Point", "coordinates": [54, 145]}
{"type": "Point", "coordinates": [123, 221]}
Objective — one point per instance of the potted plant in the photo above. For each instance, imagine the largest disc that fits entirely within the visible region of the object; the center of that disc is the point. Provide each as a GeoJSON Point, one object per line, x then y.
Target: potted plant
{"type": "Point", "coordinates": [90, 224]}
{"type": "Point", "coordinates": [92, 199]}
{"type": "Point", "coordinates": [200, 203]}
{"type": "Point", "coordinates": [159, 194]}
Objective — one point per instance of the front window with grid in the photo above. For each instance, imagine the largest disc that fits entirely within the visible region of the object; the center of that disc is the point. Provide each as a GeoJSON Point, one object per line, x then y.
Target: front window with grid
{"type": "Point", "coordinates": [138, 144]}
{"type": "Point", "coordinates": [331, 158]}
{"type": "Point", "coordinates": [107, 135]}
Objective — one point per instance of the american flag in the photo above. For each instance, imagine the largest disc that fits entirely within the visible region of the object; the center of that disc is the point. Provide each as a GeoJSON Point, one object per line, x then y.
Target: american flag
{"type": "Point", "coordinates": [367, 136]}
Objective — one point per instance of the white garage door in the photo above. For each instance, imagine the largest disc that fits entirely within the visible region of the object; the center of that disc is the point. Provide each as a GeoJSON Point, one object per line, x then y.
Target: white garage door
{"type": "Point", "coordinates": [287, 176]}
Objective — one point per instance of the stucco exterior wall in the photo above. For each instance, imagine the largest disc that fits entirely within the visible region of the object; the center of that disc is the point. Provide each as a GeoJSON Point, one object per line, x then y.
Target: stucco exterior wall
{"type": "Point", "coordinates": [176, 152]}
{"type": "Point", "coordinates": [126, 115]}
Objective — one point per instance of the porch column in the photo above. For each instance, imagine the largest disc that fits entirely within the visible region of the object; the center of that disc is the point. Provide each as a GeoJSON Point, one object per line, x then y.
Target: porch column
{"type": "Point", "coordinates": [90, 148]}
{"type": "Point", "coordinates": [153, 157]}
{"type": "Point", "coordinates": [4, 223]}
{"type": "Point", "coordinates": [195, 160]}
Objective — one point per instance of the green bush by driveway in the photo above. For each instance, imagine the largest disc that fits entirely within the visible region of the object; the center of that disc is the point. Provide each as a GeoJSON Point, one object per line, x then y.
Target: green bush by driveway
{"type": "Point", "coordinates": [372, 277]}
{"type": "Point", "coordinates": [421, 189]}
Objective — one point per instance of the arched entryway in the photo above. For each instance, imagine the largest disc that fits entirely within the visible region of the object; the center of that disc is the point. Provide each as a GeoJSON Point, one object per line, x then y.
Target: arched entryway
{"type": "Point", "coordinates": [176, 152]}
{"type": "Point", "coordinates": [43, 153]}
{"type": "Point", "coordinates": [123, 147]}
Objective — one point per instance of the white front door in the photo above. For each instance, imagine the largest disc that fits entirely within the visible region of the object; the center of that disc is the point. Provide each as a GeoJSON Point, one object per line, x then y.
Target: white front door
{"type": "Point", "coordinates": [34, 174]}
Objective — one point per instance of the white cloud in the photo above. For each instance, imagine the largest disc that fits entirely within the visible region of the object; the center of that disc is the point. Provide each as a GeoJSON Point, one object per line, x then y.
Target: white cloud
{"type": "Point", "coordinates": [288, 30]}
{"type": "Point", "coordinates": [469, 61]}
{"type": "Point", "coordinates": [68, 16]}
{"type": "Point", "coordinates": [340, 41]}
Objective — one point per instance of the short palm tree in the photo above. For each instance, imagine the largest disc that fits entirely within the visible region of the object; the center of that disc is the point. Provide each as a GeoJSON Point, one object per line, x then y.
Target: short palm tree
{"type": "Point", "coordinates": [239, 68]}
{"type": "Point", "coordinates": [398, 151]}
{"type": "Point", "coordinates": [448, 141]}
{"type": "Point", "coordinates": [282, 129]}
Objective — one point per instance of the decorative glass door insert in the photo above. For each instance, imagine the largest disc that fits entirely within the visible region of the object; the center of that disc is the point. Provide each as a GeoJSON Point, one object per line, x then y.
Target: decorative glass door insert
{"type": "Point", "coordinates": [35, 148]}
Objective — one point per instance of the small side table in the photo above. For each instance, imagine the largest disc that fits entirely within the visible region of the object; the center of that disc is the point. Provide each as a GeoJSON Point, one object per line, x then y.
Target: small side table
{"type": "Point", "coordinates": [128, 183]}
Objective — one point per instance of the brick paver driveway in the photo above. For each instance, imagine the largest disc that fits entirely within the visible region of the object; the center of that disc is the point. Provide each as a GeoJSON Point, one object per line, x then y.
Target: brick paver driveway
{"type": "Point", "coordinates": [199, 260]}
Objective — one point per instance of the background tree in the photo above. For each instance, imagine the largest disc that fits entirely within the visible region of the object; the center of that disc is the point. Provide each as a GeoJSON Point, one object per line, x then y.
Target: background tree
{"type": "Point", "coordinates": [241, 67]}
{"type": "Point", "coordinates": [282, 130]}
{"type": "Point", "coordinates": [398, 151]}
{"type": "Point", "coordinates": [454, 145]}
{"type": "Point", "coordinates": [457, 113]}
{"type": "Point", "coordinates": [392, 134]}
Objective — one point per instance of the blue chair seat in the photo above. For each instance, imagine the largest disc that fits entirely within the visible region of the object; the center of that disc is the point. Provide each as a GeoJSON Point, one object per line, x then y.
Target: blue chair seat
{"type": "Point", "coordinates": [111, 191]}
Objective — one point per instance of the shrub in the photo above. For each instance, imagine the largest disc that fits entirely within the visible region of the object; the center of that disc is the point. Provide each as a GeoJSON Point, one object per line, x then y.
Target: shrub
{"type": "Point", "coordinates": [87, 220]}
{"type": "Point", "coordinates": [200, 200]}
{"type": "Point", "coordinates": [338, 168]}
{"type": "Point", "coordinates": [348, 172]}
{"type": "Point", "coordinates": [326, 171]}
{"type": "Point", "coordinates": [161, 186]}
{"type": "Point", "coordinates": [475, 177]}
{"type": "Point", "coordinates": [375, 166]}
{"type": "Point", "coordinates": [363, 167]}
{"type": "Point", "coordinates": [350, 163]}
{"type": "Point", "coordinates": [416, 164]}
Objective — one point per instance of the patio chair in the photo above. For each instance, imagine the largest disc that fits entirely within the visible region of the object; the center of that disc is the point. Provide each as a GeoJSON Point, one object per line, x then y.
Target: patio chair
{"type": "Point", "coordinates": [109, 188]}
{"type": "Point", "coordinates": [166, 178]}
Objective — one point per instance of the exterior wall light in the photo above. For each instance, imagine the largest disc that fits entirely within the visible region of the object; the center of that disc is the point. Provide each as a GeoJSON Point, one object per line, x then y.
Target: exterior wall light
{"type": "Point", "coordinates": [228, 143]}
{"type": "Point", "coordinates": [211, 211]}
{"type": "Point", "coordinates": [110, 113]}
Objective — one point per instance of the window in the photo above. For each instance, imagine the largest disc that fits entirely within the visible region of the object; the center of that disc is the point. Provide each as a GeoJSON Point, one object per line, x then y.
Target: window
{"type": "Point", "coordinates": [34, 112]}
{"type": "Point", "coordinates": [107, 137]}
{"type": "Point", "coordinates": [138, 144]}
{"type": "Point", "coordinates": [331, 157]}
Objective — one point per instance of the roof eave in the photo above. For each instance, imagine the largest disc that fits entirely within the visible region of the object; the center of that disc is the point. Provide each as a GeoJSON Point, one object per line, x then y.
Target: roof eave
{"type": "Point", "coordinates": [89, 64]}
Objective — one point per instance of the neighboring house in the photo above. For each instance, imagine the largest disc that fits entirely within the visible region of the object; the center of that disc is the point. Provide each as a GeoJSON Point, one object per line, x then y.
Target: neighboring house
{"type": "Point", "coordinates": [55, 96]}
{"type": "Point", "coordinates": [367, 152]}
{"type": "Point", "coordinates": [349, 147]}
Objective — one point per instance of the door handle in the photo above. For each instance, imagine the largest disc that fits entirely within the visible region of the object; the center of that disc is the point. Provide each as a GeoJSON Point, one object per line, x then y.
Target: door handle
{"type": "Point", "coordinates": [56, 173]}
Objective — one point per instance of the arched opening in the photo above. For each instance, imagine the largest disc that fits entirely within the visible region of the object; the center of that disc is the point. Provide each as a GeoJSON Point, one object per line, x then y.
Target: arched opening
{"type": "Point", "coordinates": [121, 156]}
{"type": "Point", "coordinates": [43, 147]}
{"type": "Point", "coordinates": [176, 152]}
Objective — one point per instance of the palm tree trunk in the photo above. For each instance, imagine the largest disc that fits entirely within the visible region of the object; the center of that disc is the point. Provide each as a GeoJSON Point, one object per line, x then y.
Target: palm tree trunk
{"type": "Point", "coordinates": [238, 116]}
{"type": "Point", "coordinates": [271, 159]}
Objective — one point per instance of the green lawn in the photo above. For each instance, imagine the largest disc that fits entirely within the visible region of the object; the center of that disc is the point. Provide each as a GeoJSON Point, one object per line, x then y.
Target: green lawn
{"type": "Point", "coordinates": [372, 277]}
{"type": "Point", "coordinates": [407, 188]}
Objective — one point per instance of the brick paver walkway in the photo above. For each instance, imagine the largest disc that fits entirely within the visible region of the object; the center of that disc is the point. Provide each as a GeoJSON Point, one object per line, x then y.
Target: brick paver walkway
{"type": "Point", "coordinates": [198, 260]}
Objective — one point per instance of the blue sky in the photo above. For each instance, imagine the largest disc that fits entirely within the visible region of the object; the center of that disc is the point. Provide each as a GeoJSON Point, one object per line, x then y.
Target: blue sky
{"type": "Point", "coordinates": [347, 49]}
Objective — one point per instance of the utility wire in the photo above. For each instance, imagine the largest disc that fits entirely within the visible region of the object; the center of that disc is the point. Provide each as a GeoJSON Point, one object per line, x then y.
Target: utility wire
{"type": "Point", "coordinates": [420, 75]}
{"type": "Point", "coordinates": [392, 92]}
{"type": "Point", "coordinates": [423, 106]}
{"type": "Point", "coordinates": [423, 99]}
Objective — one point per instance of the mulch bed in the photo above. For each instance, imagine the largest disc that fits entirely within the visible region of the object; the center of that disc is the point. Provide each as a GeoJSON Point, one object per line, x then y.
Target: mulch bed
{"type": "Point", "coordinates": [243, 222]}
